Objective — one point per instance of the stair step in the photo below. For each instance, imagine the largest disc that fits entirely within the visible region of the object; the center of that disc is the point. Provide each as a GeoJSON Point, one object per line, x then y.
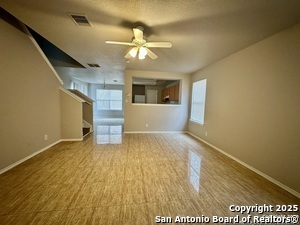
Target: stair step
{"type": "Point", "coordinates": [85, 130]}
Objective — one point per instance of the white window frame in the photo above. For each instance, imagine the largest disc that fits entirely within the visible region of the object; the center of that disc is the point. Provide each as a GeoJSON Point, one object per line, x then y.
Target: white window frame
{"type": "Point", "coordinates": [109, 100]}
{"type": "Point", "coordinates": [198, 101]}
{"type": "Point", "coordinates": [83, 88]}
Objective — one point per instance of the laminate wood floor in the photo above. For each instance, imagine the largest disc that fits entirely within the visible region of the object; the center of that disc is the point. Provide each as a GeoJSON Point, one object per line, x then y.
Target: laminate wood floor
{"type": "Point", "coordinates": [145, 176]}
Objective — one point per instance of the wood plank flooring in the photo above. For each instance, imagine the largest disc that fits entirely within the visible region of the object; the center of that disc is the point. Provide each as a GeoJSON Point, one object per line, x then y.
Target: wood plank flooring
{"type": "Point", "coordinates": [145, 176]}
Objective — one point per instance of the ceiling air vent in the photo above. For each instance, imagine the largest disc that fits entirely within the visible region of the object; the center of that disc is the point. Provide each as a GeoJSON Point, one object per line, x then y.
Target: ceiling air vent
{"type": "Point", "coordinates": [93, 65]}
{"type": "Point", "coordinates": [79, 19]}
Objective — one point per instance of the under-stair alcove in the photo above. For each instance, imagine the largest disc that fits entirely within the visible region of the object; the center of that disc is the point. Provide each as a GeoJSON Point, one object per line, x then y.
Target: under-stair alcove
{"type": "Point", "coordinates": [76, 114]}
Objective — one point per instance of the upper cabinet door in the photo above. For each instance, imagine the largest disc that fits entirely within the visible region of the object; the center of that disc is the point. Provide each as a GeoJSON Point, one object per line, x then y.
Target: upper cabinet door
{"type": "Point", "coordinates": [176, 92]}
{"type": "Point", "coordinates": [172, 93]}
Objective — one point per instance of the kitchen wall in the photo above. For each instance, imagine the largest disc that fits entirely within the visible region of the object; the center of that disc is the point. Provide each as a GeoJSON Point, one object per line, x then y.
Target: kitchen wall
{"type": "Point", "coordinates": [158, 117]}
{"type": "Point", "coordinates": [159, 89]}
{"type": "Point", "coordinates": [253, 106]}
{"type": "Point", "coordinates": [138, 90]}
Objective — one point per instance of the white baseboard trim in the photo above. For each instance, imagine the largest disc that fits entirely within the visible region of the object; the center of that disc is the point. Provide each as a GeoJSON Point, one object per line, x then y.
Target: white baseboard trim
{"type": "Point", "coordinates": [293, 192]}
{"type": "Point", "coordinates": [75, 139]}
{"type": "Point", "coordinates": [155, 132]}
{"type": "Point", "coordinates": [35, 153]}
{"type": "Point", "coordinates": [27, 157]}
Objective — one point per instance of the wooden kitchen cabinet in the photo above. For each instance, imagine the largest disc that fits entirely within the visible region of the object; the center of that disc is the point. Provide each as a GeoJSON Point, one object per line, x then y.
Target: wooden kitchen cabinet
{"type": "Point", "coordinates": [165, 92]}
{"type": "Point", "coordinates": [172, 93]}
{"type": "Point", "coordinates": [176, 92]}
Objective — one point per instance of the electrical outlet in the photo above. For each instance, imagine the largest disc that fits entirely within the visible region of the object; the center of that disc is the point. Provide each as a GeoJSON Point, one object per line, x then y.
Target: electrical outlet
{"type": "Point", "coordinates": [46, 137]}
{"type": "Point", "coordinates": [206, 133]}
{"type": "Point", "coordinates": [146, 124]}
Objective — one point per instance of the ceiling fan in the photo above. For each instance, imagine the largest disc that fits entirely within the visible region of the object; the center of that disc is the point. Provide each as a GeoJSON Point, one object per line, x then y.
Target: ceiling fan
{"type": "Point", "coordinates": [140, 45]}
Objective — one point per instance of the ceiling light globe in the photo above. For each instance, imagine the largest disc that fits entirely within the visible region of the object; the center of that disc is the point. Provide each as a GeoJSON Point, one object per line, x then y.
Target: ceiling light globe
{"type": "Point", "coordinates": [143, 51]}
{"type": "Point", "coordinates": [141, 56]}
{"type": "Point", "coordinates": [133, 52]}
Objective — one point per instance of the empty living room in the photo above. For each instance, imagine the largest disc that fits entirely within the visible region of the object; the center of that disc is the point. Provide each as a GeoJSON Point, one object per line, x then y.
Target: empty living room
{"type": "Point", "coordinates": [147, 112]}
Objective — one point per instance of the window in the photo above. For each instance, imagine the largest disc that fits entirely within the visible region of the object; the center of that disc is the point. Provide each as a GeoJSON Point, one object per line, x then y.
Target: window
{"type": "Point", "coordinates": [80, 87]}
{"type": "Point", "coordinates": [109, 99]}
{"type": "Point", "coordinates": [198, 101]}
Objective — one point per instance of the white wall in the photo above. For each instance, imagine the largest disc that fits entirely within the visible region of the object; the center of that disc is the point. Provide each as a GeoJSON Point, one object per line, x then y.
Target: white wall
{"type": "Point", "coordinates": [158, 117]}
{"type": "Point", "coordinates": [253, 106]}
{"type": "Point", "coordinates": [30, 105]}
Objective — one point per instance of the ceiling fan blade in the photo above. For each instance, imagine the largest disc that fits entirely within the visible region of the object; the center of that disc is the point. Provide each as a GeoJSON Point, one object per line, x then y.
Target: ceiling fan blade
{"type": "Point", "coordinates": [138, 34]}
{"type": "Point", "coordinates": [119, 43]}
{"type": "Point", "coordinates": [151, 54]}
{"type": "Point", "coordinates": [128, 56]}
{"type": "Point", "coordinates": [158, 44]}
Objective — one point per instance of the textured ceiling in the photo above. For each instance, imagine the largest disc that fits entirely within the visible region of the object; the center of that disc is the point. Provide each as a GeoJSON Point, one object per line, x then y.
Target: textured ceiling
{"type": "Point", "coordinates": [202, 32]}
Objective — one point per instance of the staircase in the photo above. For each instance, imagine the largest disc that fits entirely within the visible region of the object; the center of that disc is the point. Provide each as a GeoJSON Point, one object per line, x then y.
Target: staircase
{"type": "Point", "coordinates": [86, 128]}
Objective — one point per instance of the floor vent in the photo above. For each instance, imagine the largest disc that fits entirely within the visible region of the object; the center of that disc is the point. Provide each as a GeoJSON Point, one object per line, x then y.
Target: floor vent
{"type": "Point", "coordinates": [93, 65]}
{"type": "Point", "coordinates": [79, 19]}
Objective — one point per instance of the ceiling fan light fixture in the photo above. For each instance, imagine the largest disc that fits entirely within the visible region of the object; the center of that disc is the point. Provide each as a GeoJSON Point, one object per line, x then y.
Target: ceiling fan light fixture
{"type": "Point", "coordinates": [141, 57]}
{"type": "Point", "coordinates": [142, 52]}
{"type": "Point", "coordinates": [133, 51]}
{"type": "Point", "coordinates": [140, 45]}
